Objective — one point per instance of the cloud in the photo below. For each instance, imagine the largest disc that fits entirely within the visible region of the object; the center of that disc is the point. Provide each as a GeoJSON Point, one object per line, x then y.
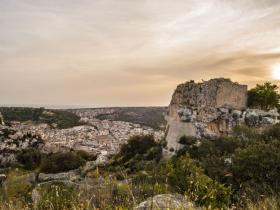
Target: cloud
{"type": "Point", "coordinates": [107, 52]}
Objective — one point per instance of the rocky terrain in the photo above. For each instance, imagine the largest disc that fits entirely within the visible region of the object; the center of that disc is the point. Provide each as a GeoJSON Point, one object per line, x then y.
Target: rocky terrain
{"type": "Point", "coordinates": [211, 109]}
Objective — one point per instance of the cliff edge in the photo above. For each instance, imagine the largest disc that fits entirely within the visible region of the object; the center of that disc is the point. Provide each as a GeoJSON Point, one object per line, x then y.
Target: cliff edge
{"type": "Point", "coordinates": [211, 109]}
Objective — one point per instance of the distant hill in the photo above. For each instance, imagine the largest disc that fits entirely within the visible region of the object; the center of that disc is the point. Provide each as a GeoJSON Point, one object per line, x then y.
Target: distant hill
{"type": "Point", "coordinates": [63, 119]}
{"type": "Point", "coordinates": [153, 117]}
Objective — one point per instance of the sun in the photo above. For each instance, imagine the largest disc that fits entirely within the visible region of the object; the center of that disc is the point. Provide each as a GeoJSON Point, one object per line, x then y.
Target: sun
{"type": "Point", "coordinates": [276, 71]}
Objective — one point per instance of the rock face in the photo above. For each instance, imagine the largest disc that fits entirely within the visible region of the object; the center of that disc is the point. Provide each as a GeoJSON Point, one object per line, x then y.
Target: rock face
{"type": "Point", "coordinates": [1, 119]}
{"type": "Point", "coordinates": [211, 109]}
{"type": "Point", "coordinates": [166, 201]}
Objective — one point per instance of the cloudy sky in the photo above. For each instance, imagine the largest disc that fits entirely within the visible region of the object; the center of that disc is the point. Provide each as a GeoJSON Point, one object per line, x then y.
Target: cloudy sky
{"type": "Point", "coordinates": [131, 52]}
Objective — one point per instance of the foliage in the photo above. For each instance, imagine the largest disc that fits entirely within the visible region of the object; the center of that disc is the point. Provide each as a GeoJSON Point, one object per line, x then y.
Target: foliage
{"type": "Point", "coordinates": [29, 158]}
{"type": "Point", "coordinates": [216, 174]}
{"type": "Point", "coordinates": [188, 141]}
{"type": "Point", "coordinates": [139, 151]}
{"type": "Point", "coordinates": [257, 167]}
{"type": "Point", "coordinates": [264, 96]}
{"type": "Point", "coordinates": [272, 133]}
{"type": "Point", "coordinates": [187, 178]}
{"type": "Point", "coordinates": [61, 162]}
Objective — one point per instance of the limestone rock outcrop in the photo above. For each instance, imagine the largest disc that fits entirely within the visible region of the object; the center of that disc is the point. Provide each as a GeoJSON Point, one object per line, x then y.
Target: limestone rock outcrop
{"type": "Point", "coordinates": [1, 119]}
{"type": "Point", "coordinates": [166, 201]}
{"type": "Point", "coordinates": [69, 176]}
{"type": "Point", "coordinates": [211, 109]}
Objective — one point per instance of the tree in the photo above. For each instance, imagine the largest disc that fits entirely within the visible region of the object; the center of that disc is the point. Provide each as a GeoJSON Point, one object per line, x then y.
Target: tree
{"type": "Point", "coordinates": [264, 96]}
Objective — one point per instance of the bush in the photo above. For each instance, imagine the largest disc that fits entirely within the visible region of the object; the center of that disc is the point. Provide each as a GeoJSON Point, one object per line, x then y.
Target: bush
{"type": "Point", "coordinates": [272, 133]}
{"type": "Point", "coordinates": [187, 178]}
{"type": "Point", "coordinates": [61, 162]}
{"type": "Point", "coordinates": [138, 153]}
{"type": "Point", "coordinates": [188, 141]}
{"type": "Point", "coordinates": [29, 158]}
{"type": "Point", "coordinates": [137, 145]}
{"type": "Point", "coordinates": [257, 168]}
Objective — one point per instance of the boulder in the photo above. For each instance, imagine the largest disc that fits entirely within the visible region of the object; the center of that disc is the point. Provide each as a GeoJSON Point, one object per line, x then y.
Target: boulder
{"type": "Point", "coordinates": [70, 176]}
{"type": "Point", "coordinates": [166, 201]}
{"type": "Point", "coordinates": [252, 118]}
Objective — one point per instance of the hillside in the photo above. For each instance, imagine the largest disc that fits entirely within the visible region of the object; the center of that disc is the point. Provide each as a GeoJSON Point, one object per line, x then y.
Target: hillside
{"type": "Point", "coordinates": [153, 117]}
{"type": "Point", "coordinates": [59, 118]}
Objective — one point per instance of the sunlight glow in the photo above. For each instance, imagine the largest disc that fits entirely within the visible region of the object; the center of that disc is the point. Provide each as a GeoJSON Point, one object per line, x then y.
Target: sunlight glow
{"type": "Point", "coordinates": [276, 71]}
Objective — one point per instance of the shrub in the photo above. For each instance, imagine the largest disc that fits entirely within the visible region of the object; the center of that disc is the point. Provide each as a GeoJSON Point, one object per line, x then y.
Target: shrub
{"type": "Point", "coordinates": [257, 168]}
{"type": "Point", "coordinates": [187, 178]}
{"type": "Point", "coordinates": [218, 147]}
{"type": "Point", "coordinates": [247, 133]}
{"type": "Point", "coordinates": [138, 153]}
{"type": "Point", "coordinates": [188, 141]}
{"type": "Point", "coordinates": [272, 133]}
{"type": "Point", "coordinates": [29, 158]}
{"type": "Point", "coordinates": [137, 145]}
{"type": "Point", "coordinates": [61, 162]}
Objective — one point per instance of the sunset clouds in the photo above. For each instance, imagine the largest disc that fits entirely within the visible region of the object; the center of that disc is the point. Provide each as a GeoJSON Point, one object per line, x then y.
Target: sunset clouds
{"type": "Point", "coordinates": [110, 53]}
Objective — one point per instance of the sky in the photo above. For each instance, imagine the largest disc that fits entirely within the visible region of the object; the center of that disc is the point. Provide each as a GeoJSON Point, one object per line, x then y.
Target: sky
{"type": "Point", "coordinates": [96, 53]}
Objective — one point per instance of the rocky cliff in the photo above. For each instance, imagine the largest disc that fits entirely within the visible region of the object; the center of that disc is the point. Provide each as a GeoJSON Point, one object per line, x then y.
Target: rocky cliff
{"type": "Point", "coordinates": [1, 119]}
{"type": "Point", "coordinates": [211, 109]}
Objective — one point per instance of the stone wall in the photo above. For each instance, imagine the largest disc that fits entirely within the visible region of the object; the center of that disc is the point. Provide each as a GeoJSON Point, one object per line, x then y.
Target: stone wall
{"type": "Point", "coordinates": [211, 109]}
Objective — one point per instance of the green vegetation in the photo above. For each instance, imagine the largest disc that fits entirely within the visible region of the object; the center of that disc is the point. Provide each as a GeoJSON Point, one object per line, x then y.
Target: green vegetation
{"type": "Point", "coordinates": [59, 118]}
{"type": "Point", "coordinates": [138, 153]}
{"type": "Point", "coordinates": [187, 178]}
{"type": "Point", "coordinates": [61, 162]}
{"type": "Point", "coordinates": [240, 172]}
{"type": "Point", "coordinates": [264, 96]}
{"type": "Point", "coordinates": [249, 162]}
{"type": "Point", "coordinates": [19, 184]}
{"type": "Point", "coordinates": [29, 158]}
